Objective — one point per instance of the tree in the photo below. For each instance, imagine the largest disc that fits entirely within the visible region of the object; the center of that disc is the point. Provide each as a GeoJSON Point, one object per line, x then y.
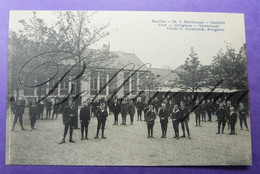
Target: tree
{"type": "Point", "coordinates": [231, 67]}
{"type": "Point", "coordinates": [149, 82]}
{"type": "Point", "coordinates": [49, 49]}
{"type": "Point", "coordinates": [193, 75]}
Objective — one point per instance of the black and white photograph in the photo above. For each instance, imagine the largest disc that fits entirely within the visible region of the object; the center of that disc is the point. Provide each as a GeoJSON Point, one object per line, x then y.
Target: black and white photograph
{"type": "Point", "coordinates": [127, 88]}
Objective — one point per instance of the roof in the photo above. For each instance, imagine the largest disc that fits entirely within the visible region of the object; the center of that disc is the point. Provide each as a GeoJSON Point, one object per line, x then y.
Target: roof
{"type": "Point", "coordinates": [118, 60]}
{"type": "Point", "coordinates": [201, 90]}
{"type": "Point", "coordinates": [164, 76]}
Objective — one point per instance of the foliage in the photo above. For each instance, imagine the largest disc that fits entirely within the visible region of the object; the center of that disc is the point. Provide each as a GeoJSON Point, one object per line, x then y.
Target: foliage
{"type": "Point", "coordinates": [231, 67]}
{"type": "Point", "coordinates": [193, 75]}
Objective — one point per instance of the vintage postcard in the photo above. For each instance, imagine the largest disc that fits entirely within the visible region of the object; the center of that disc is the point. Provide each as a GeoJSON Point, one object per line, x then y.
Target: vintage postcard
{"type": "Point", "coordinates": [125, 88]}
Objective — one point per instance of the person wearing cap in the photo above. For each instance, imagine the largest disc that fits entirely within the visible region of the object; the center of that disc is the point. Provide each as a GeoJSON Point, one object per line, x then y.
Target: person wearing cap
{"type": "Point", "coordinates": [101, 117]}
{"type": "Point", "coordinates": [85, 114]}
{"type": "Point", "coordinates": [68, 115]}
{"type": "Point", "coordinates": [150, 117]}
{"type": "Point", "coordinates": [163, 114]}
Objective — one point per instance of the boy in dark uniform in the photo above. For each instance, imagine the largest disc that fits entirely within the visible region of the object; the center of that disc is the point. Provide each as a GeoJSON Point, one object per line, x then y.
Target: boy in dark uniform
{"type": "Point", "coordinates": [33, 112]}
{"type": "Point", "coordinates": [131, 111]}
{"type": "Point", "coordinates": [197, 112]}
{"type": "Point", "coordinates": [84, 116]}
{"type": "Point", "coordinates": [124, 110]}
{"type": "Point", "coordinates": [242, 111]}
{"type": "Point", "coordinates": [209, 109]}
{"type": "Point", "coordinates": [101, 117]}
{"type": "Point", "coordinates": [227, 108]}
{"type": "Point", "coordinates": [184, 119]}
{"type": "Point", "coordinates": [116, 110]}
{"type": "Point", "coordinates": [221, 114]}
{"type": "Point", "coordinates": [56, 108]}
{"type": "Point", "coordinates": [68, 115]}
{"type": "Point", "coordinates": [150, 117]}
{"type": "Point", "coordinates": [176, 120]}
{"type": "Point", "coordinates": [203, 110]}
{"type": "Point", "coordinates": [163, 114]}
{"type": "Point", "coordinates": [139, 107]}
{"type": "Point", "coordinates": [18, 111]}
{"type": "Point", "coordinates": [232, 119]}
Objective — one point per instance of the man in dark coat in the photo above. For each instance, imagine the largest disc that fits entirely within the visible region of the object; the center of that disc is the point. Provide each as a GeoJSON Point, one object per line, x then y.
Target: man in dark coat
{"type": "Point", "coordinates": [116, 110]}
{"type": "Point", "coordinates": [242, 111]}
{"type": "Point", "coordinates": [85, 114]}
{"type": "Point", "coordinates": [150, 117]}
{"type": "Point", "coordinates": [232, 119]}
{"type": "Point", "coordinates": [221, 114]}
{"type": "Point", "coordinates": [101, 117]}
{"type": "Point", "coordinates": [68, 115]}
{"type": "Point", "coordinates": [176, 120]}
{"type": "Point", "coordinates": [163, 114]}
{"type": "Point", "coordinates": [131, 111]}
{"type": "Point", "coordinates": [18, 111]}
{"type": "Point", "coordinates": [33, 112]}
{"type": "Point", "coordinates": [184, 119]}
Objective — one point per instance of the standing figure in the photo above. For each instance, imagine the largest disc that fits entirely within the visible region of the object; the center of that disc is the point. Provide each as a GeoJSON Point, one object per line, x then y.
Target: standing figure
{"type": "Point", "coordinates": [151, 116]}
{"type": "Point", "coordinates": [232, 119]}
{"type": "Point", "coordinates": [101, 117]}
{"type": "Point", "coordinates": [116, 110]}
{"type": "Point", "coordinates": [242, 111]}
{"type": "Point", "coordinates": [33, 112]}
{"type": "Point", "coordinates": [203, 110]}
{"type": "Point", "coordinates": [56, 108]}
{"type": "Point", "coordinates": [139, 107]}
{"type": "Point", "coordinates": [156, 104]}
{"type": "Point", "coordinates": [184, 119]}
{"type": "Point", "coordinates": [18, 112]}
{"type": "Point", "coordinates": [68, 115]}
{"type": "Point", "coordinates": [221, 114]}
{"type": "Point", "coordinates": [209, 109]}
{"type": "Point", "coordinates": [85, 114]}
{"type": "Point", "coordinates": [176, 120]}
{"type": "Point", "coordinates": [48, 109]}
{"type": "Point", "coordinates": [163, 114]}
{"type": "Point", "coordinates": [197, 112]}
{"type": "Point", "coordinates": [227, 108]}
{"type": "Point", "coordinates": [145, 109]}
{"type": "Point", "coordinates": [131, 111]}
{"type": "Point", "coordinates": [124, 110]}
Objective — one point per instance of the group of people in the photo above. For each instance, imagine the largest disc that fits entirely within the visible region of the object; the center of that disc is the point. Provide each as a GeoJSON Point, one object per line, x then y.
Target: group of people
{"type": "Point", "coordinates": [178, 112]}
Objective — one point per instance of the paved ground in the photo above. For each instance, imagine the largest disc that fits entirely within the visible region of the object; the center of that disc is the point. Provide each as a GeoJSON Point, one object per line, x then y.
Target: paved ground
{"type": "Point", "coordinates": [126, 145]}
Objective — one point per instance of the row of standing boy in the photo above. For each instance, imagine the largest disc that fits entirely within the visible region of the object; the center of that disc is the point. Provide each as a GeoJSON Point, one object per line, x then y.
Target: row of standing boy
{"type": "Point", "coordinates": [225, 112]}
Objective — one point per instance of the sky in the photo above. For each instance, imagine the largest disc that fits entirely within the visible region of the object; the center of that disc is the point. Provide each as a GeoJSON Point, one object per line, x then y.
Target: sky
{"type": "Point", "coordinates": [143, 34]}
